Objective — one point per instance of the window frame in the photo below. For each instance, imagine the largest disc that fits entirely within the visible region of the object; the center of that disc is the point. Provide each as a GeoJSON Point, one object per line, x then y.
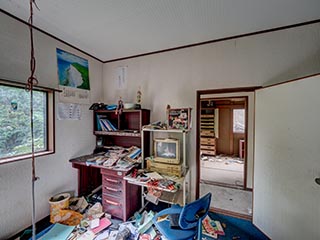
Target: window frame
{"type": "Point", "coordinates": [233, 111]}
{"type": "Point", "coordinates": [50, 122]}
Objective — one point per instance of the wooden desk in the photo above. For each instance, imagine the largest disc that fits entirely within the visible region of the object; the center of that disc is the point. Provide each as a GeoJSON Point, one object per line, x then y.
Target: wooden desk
{"type": "Point", "coordinates": [119, 198]}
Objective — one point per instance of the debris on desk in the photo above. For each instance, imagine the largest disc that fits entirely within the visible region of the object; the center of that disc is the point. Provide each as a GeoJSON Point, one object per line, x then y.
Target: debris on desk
{"type": "Point", "coordinates": [114, 157]}
{"type": "Point", "coordinates": [163, 184]}
{"type": "Point", "coordinates": [123, 164]}
{"type": "Point", "coordinates": [134, 153]}
{"type": "Point", "coordinates": [110, 161]}
{"type": "Point", "coordinates": [153, 181]}
{"type": "Point", "coordinates": [154, 175]}
{"type": "Point", "coordinates": [97, 160]}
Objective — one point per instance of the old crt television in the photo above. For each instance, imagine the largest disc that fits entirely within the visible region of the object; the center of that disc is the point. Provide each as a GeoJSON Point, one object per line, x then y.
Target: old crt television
{"type": "Point", "coordinates": [167, 150]}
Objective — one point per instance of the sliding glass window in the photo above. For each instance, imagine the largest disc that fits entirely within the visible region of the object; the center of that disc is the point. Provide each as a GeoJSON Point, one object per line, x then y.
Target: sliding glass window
{"type": "Point", "coordinates": [239, 120]}
{"type": "Point", "coordinates": [15, 118]}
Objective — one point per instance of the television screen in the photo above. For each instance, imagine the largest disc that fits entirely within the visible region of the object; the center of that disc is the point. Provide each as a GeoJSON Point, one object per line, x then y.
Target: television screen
{"type": "Point", "coordinates": [166, 150]}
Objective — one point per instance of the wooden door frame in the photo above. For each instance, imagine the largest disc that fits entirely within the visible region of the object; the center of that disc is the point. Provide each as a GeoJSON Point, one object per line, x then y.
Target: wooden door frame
{"type": "Point", "coordinates": [199, 93]}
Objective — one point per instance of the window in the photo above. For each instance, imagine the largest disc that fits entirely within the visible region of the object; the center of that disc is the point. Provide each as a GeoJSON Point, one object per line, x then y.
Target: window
{"type": "Point", "coordinates": [15, 129]}
{"type": "Point", "coordinates": [238, 120]}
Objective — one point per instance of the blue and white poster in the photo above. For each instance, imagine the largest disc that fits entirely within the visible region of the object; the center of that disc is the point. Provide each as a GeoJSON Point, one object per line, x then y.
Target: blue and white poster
{"type": "Point", "coordinates": [73, 75]}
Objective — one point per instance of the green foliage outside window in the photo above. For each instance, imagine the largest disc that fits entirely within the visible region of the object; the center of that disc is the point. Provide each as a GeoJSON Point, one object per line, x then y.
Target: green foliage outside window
{"type": "Point", "coordinates": [15, 129]}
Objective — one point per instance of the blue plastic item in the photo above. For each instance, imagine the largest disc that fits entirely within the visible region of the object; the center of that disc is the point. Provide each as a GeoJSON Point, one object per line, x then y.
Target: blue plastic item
{"type": "Point", "coordinates": [112, 107]}
{"type": "Point", "coordinates": [190, 219]}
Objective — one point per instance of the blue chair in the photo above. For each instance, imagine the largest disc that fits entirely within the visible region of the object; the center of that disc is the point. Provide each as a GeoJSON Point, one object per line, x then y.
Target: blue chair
{"type": "Point", "coordinates": [189, 219]}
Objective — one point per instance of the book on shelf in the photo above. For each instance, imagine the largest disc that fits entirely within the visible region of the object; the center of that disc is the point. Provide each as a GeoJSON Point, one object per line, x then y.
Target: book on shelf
{"type": "Point", "coordinates": [104, 124]}
{"type": "Point", "coordinates": [99, 128]}
{"type": "Point", "coordinates": [107, 125]}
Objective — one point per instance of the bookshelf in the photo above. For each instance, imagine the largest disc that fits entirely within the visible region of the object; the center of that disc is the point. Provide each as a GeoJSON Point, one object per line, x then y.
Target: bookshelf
{"type": "Point", "coordinates": [124, 130]}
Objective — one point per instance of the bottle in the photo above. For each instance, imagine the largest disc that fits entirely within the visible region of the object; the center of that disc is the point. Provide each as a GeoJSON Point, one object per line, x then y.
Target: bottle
{"type": "Point", "coordinates": [124, 234]}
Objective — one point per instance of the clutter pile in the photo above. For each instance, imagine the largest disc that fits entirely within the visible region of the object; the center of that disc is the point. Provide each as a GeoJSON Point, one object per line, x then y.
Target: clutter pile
{"type": "Point", "coordinates": [83, 218]}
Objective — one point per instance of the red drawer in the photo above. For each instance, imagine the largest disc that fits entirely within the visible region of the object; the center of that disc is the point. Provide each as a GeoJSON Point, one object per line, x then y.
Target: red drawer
{"type": "Point", "coordinates": [114, 173]}
{"type": "Point", "coordinates": [112, 181]}
{"type": "Point", "coordinates": [111, 190]}
{"type": "Point", "coordinates": [114, 206]}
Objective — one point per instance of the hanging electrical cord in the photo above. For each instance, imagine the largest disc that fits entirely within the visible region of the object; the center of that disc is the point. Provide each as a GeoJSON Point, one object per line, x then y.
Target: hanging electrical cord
{"type": "Point", "coordinates": [32, 81]}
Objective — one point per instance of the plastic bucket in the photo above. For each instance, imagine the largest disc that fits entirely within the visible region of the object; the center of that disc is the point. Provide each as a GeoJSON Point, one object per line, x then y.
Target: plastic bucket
{"type": "Point", "coordinates": [57, 202]}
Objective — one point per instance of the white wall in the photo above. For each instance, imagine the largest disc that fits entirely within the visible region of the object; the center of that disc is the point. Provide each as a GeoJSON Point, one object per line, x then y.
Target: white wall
{"type": "Point", "coordinates": [173, 77]}
{"type": "Point", "coordinates": [73, 138]}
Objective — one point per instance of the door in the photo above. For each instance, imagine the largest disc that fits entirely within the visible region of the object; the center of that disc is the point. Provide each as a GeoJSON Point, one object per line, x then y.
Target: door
{"type": "Point", "coordinates": [225, 131]}
{"type": "Point", "coordinates": [286, 200]}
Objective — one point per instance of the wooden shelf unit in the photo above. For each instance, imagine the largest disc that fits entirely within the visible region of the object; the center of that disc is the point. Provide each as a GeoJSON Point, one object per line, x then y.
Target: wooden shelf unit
{"type": "Point", "coordinates": [207, 128]}
{"type": "Point", "coordinates": [182, 195]}
{"type": "Point", "coordinates": [119, 198]}
{"type": "Point", "coordinates": [128, 125]}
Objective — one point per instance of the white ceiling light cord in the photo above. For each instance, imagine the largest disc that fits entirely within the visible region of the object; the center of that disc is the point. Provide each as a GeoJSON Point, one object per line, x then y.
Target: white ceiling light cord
{"type": "Point", "coordinates": [32, 80]}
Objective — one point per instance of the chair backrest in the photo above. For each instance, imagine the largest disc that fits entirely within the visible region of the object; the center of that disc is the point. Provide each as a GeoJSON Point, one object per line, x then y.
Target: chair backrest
{"type": "Point", "coordinates": [192, 212]}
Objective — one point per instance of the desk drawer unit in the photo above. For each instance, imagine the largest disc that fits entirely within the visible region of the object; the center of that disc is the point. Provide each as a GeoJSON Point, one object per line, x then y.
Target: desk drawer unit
{"type": "Point", "coordinates": [119, 198]}
{"type": "Point", "coordinates": [113, 186]}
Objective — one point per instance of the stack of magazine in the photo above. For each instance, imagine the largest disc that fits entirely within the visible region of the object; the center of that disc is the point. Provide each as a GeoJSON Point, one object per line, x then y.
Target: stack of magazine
{"type": "Point", "coordinates": [116, 157]}
{"type": "Point", "coordinates": [212, 228]}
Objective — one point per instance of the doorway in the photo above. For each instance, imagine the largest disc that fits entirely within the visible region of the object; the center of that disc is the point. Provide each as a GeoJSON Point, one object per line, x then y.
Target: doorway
{"type": "Point", "coordinates": [225, 148]}
{"type": "Point", "coordinates": [222, 141]}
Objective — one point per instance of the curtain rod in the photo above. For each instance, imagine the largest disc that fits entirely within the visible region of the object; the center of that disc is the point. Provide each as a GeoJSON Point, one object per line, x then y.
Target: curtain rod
{"type": "Point", "coordinates": [4, 81]}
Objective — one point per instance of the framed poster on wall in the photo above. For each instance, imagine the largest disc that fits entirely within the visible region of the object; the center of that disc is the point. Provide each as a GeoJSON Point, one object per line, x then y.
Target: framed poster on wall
{"type": "Point", "coordinates": [73, 76]}
{"type": "Point", "coordinates": [179, 118]}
